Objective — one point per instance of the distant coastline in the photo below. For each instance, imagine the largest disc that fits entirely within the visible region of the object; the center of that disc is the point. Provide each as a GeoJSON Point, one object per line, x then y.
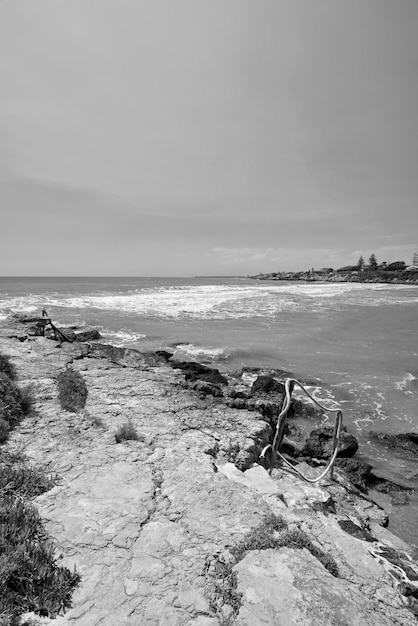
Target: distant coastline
{"type": "Point", "coordinates": [403, 277]}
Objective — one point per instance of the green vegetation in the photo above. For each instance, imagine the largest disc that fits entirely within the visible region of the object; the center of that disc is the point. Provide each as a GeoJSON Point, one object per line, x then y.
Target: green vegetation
{"type": "Point", "coordinates": [262, 537]}
{"type": "Point", "coordinates": [18, 478]}
{"type": "Point", "coordinates": [72, 390]}
{"type": "Point", "coordinates": [15, 403]}
{"type": "Point", "coordinates": [126, 432]}
{"type": "Point", "coordinates": [30, 578]}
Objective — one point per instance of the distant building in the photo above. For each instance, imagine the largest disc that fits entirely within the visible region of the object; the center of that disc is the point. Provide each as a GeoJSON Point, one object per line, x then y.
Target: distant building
{"type": "Point", "coordinates": [415, 259]}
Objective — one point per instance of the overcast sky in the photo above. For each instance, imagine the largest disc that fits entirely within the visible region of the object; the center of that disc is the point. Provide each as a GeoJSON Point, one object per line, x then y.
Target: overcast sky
{"type": "Point", "coordinates": [184, 137]}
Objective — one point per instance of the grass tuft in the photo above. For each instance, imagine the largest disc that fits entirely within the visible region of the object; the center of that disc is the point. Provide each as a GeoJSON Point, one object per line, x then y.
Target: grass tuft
{"type": "Point", "coordinates": [126, 432]}
{"type": "Point", "coordinates": [298, 539]}
{"type": "Point", "coordinates": [262, 537]}
{"type": "Point", "coordinates": [72, 390]}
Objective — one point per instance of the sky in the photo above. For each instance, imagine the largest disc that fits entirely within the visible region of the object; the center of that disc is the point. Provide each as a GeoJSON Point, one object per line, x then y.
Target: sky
{"type": "Point", "coordinates": [206, 137]}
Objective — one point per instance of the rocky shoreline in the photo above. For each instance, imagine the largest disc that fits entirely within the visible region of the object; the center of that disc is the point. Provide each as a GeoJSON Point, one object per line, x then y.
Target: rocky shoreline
{"type": "Point", "coordinates": [183, 526]}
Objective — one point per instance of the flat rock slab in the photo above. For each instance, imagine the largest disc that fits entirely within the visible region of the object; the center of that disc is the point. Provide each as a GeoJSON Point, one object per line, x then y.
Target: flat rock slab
{"type": "Point", "coordinates": [289, 587]}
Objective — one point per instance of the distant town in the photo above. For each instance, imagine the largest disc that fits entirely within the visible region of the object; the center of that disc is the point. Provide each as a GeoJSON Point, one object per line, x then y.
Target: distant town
{"type": "Point", "coordinates": [371, 272]}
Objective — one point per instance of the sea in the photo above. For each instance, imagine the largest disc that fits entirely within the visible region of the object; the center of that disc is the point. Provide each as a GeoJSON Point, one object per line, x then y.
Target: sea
{"type": "Point", "coordinates": [356, 344]}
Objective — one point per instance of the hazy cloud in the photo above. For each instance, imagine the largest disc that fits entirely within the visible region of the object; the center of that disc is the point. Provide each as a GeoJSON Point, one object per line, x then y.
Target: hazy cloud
{"type": "Point", "coordinates": [206, 137]}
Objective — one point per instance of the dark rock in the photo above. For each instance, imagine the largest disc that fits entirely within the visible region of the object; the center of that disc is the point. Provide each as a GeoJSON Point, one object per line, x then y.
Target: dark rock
{"type": "Point", "coordinates": [407, 442]}
{"type": "Point", "coordinates": [207, 388]}
{"type": "Point", "coordinates": [195, 371]}
{"type": "Point", "coordinates": [326, 507]}
{"type": "Point", "coordinates": [164, 354]}
{"type": "Point", "coordinates": [238, 393]}
{"type": "Point", "coordinates": [357, 472]}
{"type": "Point", "coordinates": [290, 447]}
{"type": "Point", "coordinates": [88, 335]}
{"type": "Point", "coordinates": [355, 531]}
{"type": "Point", "coordinates": [303, 409]}
{"type": "Point", "coordinates": [267, 385]}
{"type": "Point", "coordinates": [386, 486]}
{"type": "Point", "coordinates": [237, 403]}
{"type": "Point", "coordinates": [319, 443]}
{"type": "Point", "coordinates": [126, 357]}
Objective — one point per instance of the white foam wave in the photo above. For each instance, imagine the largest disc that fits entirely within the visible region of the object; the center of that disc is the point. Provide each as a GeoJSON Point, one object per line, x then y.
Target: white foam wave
{"type": "Point", "coordinates": [122, 337]}
{"type": "Point", "coordinates": [405, 384]}
{"type": "Point", "coordinates": [222, 301]}
{"type": "Point", "coordinates": [202, 352]}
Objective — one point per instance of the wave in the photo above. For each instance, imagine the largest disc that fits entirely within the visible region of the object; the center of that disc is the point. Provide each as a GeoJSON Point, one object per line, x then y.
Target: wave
{"type": "Point", "coordinates": [202, 353]}
{"type": "Point", "coordinates": [408, 384]}
{"type": "Point", "coordinates": [122, 337]}
{"type": "Point", "coordinates": [220, 301]}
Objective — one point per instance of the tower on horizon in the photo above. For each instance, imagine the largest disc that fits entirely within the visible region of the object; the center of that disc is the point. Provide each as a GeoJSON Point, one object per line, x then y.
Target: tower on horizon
{"type": "Point", "coordinates": [415, 259]}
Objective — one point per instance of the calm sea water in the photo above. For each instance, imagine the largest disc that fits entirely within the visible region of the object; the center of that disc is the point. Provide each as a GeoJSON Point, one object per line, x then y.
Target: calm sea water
{"type": "Point", "coordinates": [360, 341]}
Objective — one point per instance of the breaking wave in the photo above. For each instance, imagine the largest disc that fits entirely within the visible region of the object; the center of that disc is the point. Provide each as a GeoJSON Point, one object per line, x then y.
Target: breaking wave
{"type": "Point", "coordinates": [220, 301]}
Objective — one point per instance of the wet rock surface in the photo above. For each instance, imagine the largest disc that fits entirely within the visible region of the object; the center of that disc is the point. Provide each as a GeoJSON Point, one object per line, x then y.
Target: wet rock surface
{"type": "Point", "coordinates": [319, 443]}
{"type": "Point", "coordinates": [152, 524]}
{"type": "Point", "coordinates": [406, 443]}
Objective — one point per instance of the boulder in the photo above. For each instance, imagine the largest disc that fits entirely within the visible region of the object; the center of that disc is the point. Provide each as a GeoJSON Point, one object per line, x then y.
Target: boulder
{"type": "Point", "coordinates": [208, 389]}
{"type": "Point", "coordinates": [266, 385]}
{"type": "Point", "coordinates": [405, 442]}
{"type": "Point", "coordinates": [357, 472]}
{"type": "Point", "coordinates": [195, 371]}
{"type": "Point", "coordinates": [88, 335]}
{"type": "Point", "coordinates": [319, 443]}
{"type": "Point", "coordinates": [164, 354]}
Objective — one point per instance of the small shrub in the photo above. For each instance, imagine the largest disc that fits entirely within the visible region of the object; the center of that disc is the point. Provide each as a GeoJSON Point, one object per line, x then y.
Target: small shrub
{"type": "Point", "coordinates": [126, 432]}
{"type": "Point", "coordinates": [14, 403]}
{"type": "Point", "coordinates": [7, 367]}
{"type": "Point", "coordinates": [72, 390]}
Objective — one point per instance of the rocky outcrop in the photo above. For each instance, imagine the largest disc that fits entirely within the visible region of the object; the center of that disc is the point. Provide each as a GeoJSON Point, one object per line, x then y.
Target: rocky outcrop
{"type": "Point", "coordinates": [195, 371]}
{"type": "Point", "coordinates": [88, 335]}
{"type": "Point", "coordinates": [154, 525]}
{"type": "Point", "coordinates": [319, 443]}
{"type": "Point", "coordinates": [407, 443]}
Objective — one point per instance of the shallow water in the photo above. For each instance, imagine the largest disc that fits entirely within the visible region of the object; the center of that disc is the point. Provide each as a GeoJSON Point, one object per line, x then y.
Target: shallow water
{"type": "Point", "coordinates": [359, 340]}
